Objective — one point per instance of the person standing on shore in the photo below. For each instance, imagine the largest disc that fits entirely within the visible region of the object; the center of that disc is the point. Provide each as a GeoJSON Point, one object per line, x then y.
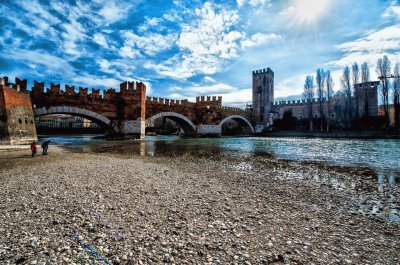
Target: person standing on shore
{"type": "Point", "coordinates": [33, 148]}
{"type": "Point", "coordinates": [45, 146]}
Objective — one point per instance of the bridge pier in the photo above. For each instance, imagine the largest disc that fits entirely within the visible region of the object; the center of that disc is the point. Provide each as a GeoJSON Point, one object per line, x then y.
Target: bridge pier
{"type": "Point", "coordinates": [136, 128]}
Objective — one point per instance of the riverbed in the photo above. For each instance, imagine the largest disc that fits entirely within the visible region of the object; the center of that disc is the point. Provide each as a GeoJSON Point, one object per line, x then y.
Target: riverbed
{"type": "Point", "coordinates": [190, 202]}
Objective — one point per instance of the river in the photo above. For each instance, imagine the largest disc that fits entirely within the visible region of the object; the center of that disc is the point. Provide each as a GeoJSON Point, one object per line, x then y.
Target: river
{"type": "Point", "coordinates": [382, 157]}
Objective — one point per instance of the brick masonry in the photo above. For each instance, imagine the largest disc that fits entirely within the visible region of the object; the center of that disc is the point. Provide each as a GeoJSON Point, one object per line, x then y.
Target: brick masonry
{"type": "Point", "coordinates": [129, 111]}
{"type": "Point", "coordinates": [17, 125]}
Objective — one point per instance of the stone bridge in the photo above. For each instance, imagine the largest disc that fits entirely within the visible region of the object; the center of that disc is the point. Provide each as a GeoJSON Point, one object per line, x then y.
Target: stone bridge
{"type": "Point", "coordinates": [128, 111]}
{"type": "Point", "coordinates": [203, 117]}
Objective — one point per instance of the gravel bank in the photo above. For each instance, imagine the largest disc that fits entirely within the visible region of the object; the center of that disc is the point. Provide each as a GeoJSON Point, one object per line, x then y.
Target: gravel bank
{"type": "Point", "coordinates": [183, 210]}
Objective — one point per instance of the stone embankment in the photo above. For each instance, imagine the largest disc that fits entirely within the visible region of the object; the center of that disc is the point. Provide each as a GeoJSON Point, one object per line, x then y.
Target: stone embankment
{"type": "Point", "coordinates": [182, 210]}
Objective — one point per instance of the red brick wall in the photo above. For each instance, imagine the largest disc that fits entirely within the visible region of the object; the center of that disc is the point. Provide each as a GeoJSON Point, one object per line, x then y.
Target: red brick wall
{"type": "Point", "coordinates": [18, 125]}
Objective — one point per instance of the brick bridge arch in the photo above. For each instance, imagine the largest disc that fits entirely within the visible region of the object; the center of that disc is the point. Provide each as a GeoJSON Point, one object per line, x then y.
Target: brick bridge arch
{"type": "Point", "coordinates": [187, 125]}
{"type": "Point", "coordinates": [75, 111]}
{"type": "Point", "coordinates": [240, 119]}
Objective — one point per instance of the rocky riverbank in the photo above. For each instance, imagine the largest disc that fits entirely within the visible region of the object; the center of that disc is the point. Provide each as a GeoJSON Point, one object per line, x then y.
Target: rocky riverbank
{"type": "Point", "coordinates": [203, 209]}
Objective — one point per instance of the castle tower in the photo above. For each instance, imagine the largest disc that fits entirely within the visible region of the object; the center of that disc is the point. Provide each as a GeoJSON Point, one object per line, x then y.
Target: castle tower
{"type": "Point", "coordinates": [263, 94]}
{"type": "Point", "coordinates": [17, 124]}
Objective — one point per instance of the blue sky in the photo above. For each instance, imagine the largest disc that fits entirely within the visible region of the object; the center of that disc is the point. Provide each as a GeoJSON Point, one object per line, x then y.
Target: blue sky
{"type": "Point", "coordinates": [182, 49]}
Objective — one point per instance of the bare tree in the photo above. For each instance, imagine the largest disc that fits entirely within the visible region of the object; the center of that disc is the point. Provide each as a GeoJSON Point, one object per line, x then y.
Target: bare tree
{"type": "Point", "coordinates": [309, 96]}
{"type": "Point", "coordinates": [339, 106]}
{"type": "Point", "coordinates": [383, 70]}
{"type": "Point", "coordinates": [396, 95]}
{"type": "Point", "coordinates": [365, 80]}
{"type": "Point", "coordinates": [355, 76]}
{"type": "Point", "coordinates": [329, 94]}
{"type": "Point", "coordinates": [345, 80]}
{"type": "Point", "coordinates": [320, 79]}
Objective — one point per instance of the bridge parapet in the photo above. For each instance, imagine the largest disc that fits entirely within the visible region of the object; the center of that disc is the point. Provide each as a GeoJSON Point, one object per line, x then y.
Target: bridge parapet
{"type": "Point", "coordinates": [209, 101]}
{"type": "Point", "coordinates": [229, 111]}
{"type": "Point", "coordinates": [127, 90]}
{"type": "Point", "coordinates": [169, 102]}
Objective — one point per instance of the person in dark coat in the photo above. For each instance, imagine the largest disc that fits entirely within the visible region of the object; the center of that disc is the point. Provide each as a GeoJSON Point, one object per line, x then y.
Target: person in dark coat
{"type": "Point", "coordinates": [33, 148]}
{"type": "Point", "coordinates": [45, 146]}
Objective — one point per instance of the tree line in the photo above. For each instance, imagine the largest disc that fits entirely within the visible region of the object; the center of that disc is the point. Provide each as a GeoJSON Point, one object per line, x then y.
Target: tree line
{"type": "Point", "coordinates": [346, 105]}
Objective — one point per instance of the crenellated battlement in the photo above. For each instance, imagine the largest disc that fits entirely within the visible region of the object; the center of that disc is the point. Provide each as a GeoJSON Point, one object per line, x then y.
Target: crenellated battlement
{"type": "Point", "coordinates": [127, 90]}
{"type": "Point", "coordinates": [23, 84]}
{"type": "Point", "coordinates": [263, 71]}
{"type": "Point", "coordinates": [131, 88]}
{"type": "Point", "coordinates": [293, 102]}
{"type": "Point", "coordinates": [209, 99]}
{"type": "Point", "coordinates": [168, 102]}
{"type": "Point", "coordinates": [70, 90]}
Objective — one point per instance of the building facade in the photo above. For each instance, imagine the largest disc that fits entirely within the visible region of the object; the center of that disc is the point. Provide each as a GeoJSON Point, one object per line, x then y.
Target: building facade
{"type": "Point", "coordinates": [265, 109]}
{"type": "Point", "coordinates": [366, 100]}
{"type": "Point", "coordinates": [59, 121]}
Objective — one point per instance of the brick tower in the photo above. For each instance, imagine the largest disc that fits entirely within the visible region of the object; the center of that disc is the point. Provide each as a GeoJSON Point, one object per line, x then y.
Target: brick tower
{"type": "Point", "coordinates": [263, 94]}
{"type": "Point", "coordinates": [17, 124]}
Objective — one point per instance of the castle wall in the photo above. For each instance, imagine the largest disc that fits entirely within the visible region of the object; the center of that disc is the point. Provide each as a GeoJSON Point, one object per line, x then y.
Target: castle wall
{"type": "Point", "coordinates": [17, 124]}
{"type": "Point", "coordinates": [300, 109]}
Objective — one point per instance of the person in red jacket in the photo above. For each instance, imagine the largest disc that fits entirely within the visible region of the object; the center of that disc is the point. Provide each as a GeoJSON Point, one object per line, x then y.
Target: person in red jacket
{"type": "Point", "coordinates": [33, 148]}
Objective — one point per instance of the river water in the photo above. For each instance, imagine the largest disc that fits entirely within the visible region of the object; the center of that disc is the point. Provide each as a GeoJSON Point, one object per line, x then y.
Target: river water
{"type": "Point", "coordinates": [381, 156]}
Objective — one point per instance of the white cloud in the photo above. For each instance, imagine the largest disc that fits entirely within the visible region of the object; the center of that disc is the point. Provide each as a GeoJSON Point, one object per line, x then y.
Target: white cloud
{"type": "Point", "coordinates": [208, 42]}
{"type": "Point", "coordinates": [211, 34]}
{"type": "Point", "coordinates": [112, 11]}
{"type": "Point", "coordinates": [238, 98]}
{"type": "Point", "coordinates": [101, 40]}
{"type": "Point", "coordinates": [74, 32]}
{"type": "Point", "coordinates": [260, 38]}
{"type": "Point", "coordinates": [209, 79]}
{"type": "Point", "coordinates": [149, 44]}
{"type": "Point", "coordinates": [287, 11]}
{"type": "Point", "coordinates": [376, 41]}
{"type": "Point", "coordinates": [205, 43]}
{"type": "Point", "coordinates": [374, 45]}
{"type": "Point", "coordinates": [252, 3]}
{"type": "Point", "coordinates": [151, 23]}
{"type": "Point", "coordinates": [128, 52]}
{"type": "Point", "coordinates": [185, 66]}
{"type": "Point", "coordinates": [290, 86]}
{"type": "Point", "coordinates": [392, 11]}
{"type": "Point", "coordinates": [95, 81]}
{"type": "Point", "coordinates": [220, 88]}
{"type": "Point", "coordinates": [46, 66]}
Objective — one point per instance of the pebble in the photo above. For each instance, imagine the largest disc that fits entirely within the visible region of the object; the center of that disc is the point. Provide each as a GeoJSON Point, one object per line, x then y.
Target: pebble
{"type": "Point", "coordinates": [199, 210]}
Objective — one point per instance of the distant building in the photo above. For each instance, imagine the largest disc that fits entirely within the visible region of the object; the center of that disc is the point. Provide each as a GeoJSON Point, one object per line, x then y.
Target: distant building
{"type": "Point", "coordinates": [265, 109]}
{"type": "Point", "coordinates": [382, 114]}
{"type": "Point", "coordinates": [64, 121]}
{"type": "Point", "coordinates": [368, 98]}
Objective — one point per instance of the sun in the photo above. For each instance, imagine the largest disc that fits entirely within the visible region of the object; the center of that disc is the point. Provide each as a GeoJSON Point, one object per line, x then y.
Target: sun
{"type": "Point", "coordinates": [309, 11]}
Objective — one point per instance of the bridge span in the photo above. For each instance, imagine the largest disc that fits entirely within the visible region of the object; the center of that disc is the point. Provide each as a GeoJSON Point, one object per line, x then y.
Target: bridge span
{"type": "Point", "coordinates": [128, 111]}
